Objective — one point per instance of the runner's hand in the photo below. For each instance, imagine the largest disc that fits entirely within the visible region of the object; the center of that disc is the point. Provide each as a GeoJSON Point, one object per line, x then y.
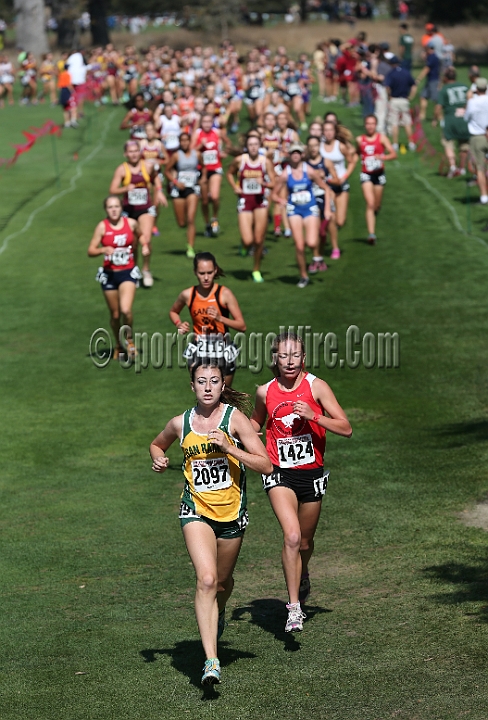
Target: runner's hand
{"type": "Point", "coordinates": [304, 410]}
{"type": "Point", "coordinates": [214, 313]}
{"type": "Point", "coordinates": [109, 250]}
{"type": "Point", "coordinates": [218, 438]}
{"type": "Point", "coordinates": [183, 328]}
{"type": "Point", "coordinates": [161, 198]}
{"type": "Point", "coordinates": [160, 464]}
{"type": "Point", "coordinates": [145, 249]}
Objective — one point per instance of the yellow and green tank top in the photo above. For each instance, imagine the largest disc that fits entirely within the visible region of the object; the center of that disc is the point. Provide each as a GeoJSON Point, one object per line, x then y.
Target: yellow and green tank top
{"type": "Point", "coordinates": [215, 483]}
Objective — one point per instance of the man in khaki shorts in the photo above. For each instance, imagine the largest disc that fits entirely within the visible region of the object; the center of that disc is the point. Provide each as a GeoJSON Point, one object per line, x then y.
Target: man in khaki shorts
{"type": "Point", "coordinates": [401, 89]}
{"type": "Point", "coordinates": [476, 116]}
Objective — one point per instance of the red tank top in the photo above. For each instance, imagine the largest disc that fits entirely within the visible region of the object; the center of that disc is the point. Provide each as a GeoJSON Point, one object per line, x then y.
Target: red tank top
{"type": "Point", "coordinates": [272, 143]}
{"type": "Point", "coordinates": [292, 442]}
{"type": "Point", "coordinates": [368, 148]}
{"type": "Point", "coordinates": [252, 175]}
{"type": "Point", "coordinates": [139, 198]}
{"type": "Point", "coordinates": [122, 239]}
{"type": "Point", "coordinates": [211, 152]}
{"type": "Point", "coordinates": [139, 119]}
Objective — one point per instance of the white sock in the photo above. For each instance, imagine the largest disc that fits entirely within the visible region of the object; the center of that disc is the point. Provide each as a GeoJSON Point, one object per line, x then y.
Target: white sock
{"type": "Point", "coordinates": [484, 199]}
{"type": "Point", "coordinates": [318, 259]}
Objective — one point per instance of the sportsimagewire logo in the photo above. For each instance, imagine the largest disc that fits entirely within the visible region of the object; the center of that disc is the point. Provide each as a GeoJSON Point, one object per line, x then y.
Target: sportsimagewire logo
{"type": "Point", "coordinates": [352, 349]}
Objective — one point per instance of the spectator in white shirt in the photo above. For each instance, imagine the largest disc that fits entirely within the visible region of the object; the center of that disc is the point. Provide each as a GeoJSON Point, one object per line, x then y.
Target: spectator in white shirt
{"type": "Point", "coordinates": [476, 116]}
{"type": "Point", "coordinates": [77, 69]}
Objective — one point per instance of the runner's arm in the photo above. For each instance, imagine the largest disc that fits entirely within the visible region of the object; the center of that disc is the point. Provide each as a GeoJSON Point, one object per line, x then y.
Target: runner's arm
{"type": "Point", "coordinates": [116, 187]}
{"type": "Point", "coordinates": [94, 248]}
{"type": "Point", "coordinates": [275, 195]}
{"type": "Point", "coordinates": [335, 420]}
{"type": "Point", "coordinates": [390, 154]}
{"type": "Point", "coordinates": [258, 417]}
{"type": "Point", "coordinates": [231, 174]}
{"type": "Point", "coordinates": [174, 314]}
{"type": "Point", "coordinates": [126, 122]}
{"type": "Point", "coordinates": [271, 174]}
{"type": "Point", "coordinates": [162, 442]}
{"type": "Point", "coordinates": [332, 171]}
{"type": "Point", "coordinates": [254, 456]}
{"type": "Point", "coordinates": [230, 303]}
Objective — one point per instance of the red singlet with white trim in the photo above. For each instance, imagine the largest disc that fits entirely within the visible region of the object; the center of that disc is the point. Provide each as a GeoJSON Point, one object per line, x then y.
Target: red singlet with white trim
{"type": "Point", "coordinates": [368, 148]}
{"type": "Point", "coordinates": [291, 441]}
{"type": "Point", "coordinates": [122, 239]}
{"type": "Point", "coordinates": [211, 152]}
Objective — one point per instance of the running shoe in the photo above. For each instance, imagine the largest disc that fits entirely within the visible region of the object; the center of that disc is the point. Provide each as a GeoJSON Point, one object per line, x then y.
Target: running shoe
{"type": "Point", "coordinates": [208, 231]}
{"type": "Point", "coordinates": [74, 124]}
{"type": "Point", "coordinates": [116, 353]}
{"type": "Point", "coordinates": [304, 126]}
{"type": "Point", "coordinates": [412, 146]}
{"type": "Point", "coordinates": [335, 254]}
{"type": "Point", "coordinates": [190, 252]}
{"type": "Point", "coordinates": [372, 239]}
{"type": "Point", "coordinates": [313, 267]}
{"type": "Point", "coordinates": [395, 146]}
{"type": "Point", "coordinates": [303, 282]}
{"type": "Point", "coordinates": [321, 266]}
{"type": "Point", "coordinates": [131, 349]}
{"type": "Point", "coordinates": [287, 232]}
{"type": "Point", "coordinates": [221, 625]}
{"type": "Point", "coordinates": [155, 231]}
{"type": "Point", "coordinates": [243, 251]}
{"type": "Point", "coordinates": [147, 279]}
{"type": "Point", "coordinates": [257, 277]}
{"type": "Point", "coordinates": [215, 226]}
{"type": "Point", "coordinates": [211, 672]}
{"type": "Point", "coordinates": [277, 232]}
{"type": "Point", "coordinates": [295, 619]}
{"type": "Point", "coordinates": [304, 590]}
{"type": "Point", "coordinates": [234, 128]}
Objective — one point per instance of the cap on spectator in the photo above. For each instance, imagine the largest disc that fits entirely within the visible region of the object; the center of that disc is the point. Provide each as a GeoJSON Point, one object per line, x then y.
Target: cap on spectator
{"type": "Point", "coordinates": [431, 46]}
{"type": "Point", "coordinates": [481, 83]}
{"type": "Point", "coordinates": [394, 60]}
{"type": "Point", "coordinates": [430, 26]}
{"type": "Point", "coordinates": [296, 147]}
{"type": "Point", "coordinates": [384, 46]}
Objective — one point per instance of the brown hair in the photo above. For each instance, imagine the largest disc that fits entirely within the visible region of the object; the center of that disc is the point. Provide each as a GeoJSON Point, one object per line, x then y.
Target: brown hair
{"type": "Point", "coordinates": [207, 257]}
{"type": "Point", "coordinates": [239, 400]}
{"type": "Point", "coordinates": [281, 338]}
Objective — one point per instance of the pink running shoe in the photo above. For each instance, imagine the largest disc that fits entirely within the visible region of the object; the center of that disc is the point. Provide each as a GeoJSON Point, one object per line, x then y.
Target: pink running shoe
{"type": "Point", "coordinates": [335, 254]}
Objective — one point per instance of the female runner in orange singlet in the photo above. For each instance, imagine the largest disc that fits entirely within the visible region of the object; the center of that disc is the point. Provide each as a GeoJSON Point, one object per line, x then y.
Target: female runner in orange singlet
{"type": "Point", "coordinates": [211, 307]}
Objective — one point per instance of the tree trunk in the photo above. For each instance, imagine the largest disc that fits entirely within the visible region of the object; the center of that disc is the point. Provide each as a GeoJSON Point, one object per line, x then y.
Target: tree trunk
{"type": "Point", "coordinates": [31, 26]}
{"type": "Point", "coordinates": [303, 10]}
{"type": "Point", "coordinates": [99, 29]}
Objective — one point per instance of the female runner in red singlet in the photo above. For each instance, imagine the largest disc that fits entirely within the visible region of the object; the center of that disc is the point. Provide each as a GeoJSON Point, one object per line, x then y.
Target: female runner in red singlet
{"type": "Point", "coordinates": [300, 409]}
{"type": "Point", "coordinates": [211, 307]}
{"type": "Point", "coordinates": [133, 180]}
{"type": "Point", "coordinates": [373, 148]}
{"type": "Point", "coordinates": [207, 140]}
{"type": "Point", "coordinates": [255, 175]}
{"type": "Point", "coordinates": [116, 238]}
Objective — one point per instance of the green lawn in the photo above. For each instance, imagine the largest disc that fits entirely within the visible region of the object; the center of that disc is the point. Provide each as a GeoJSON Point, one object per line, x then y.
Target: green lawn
{"type": "Point", "coordinates": [97, 589]}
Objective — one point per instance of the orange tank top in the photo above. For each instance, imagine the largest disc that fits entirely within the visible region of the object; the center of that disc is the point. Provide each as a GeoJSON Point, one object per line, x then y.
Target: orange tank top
{"type": "Point", "coordinates": [198, 307]}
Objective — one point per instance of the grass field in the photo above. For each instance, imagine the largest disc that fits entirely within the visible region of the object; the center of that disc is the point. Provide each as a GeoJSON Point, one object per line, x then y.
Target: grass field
{"type": "Point", "coordinates": [97, 589]}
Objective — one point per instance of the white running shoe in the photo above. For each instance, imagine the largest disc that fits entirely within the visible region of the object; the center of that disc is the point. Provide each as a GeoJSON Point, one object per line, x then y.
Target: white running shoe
{"type": "Point", "coordinates": [147, 279]}
{"type": "Point", "coordinates": [296, 616]}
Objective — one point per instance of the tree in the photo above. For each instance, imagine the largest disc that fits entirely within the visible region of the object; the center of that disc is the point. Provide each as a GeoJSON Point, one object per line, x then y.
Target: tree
{"type": "Point", "coordinates": [31, 26]}
{"type": "Point", "coordinates": [212, 15]}
{"type": "Point", "coordinates": [98, 20]}
{"type": "Point", "coordinates": [452, 11]}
